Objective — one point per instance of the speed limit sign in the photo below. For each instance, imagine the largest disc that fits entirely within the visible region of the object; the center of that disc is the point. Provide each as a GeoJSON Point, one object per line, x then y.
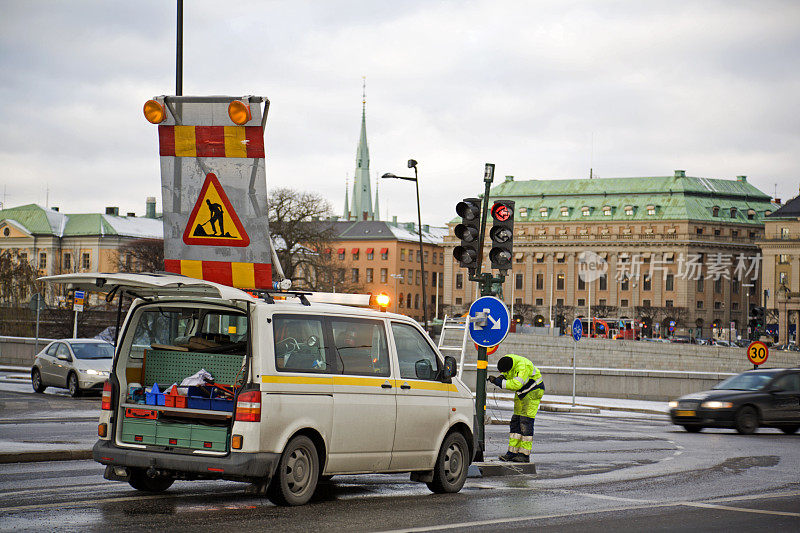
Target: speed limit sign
{"type": "Point", "coordinates": [757, 352]}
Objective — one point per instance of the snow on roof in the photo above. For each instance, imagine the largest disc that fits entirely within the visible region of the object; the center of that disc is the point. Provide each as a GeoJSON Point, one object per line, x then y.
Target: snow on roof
{"type": "Point", "coordinates": [432, 236]}
{"type": "Point", "coordinates": [143, 228]}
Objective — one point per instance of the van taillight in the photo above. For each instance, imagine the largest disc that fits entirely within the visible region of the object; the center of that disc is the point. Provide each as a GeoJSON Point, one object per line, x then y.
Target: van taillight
{"type": "Point", "coordinates": [248, 406]}
{"type": "Point", "coordinates": [106, 400]}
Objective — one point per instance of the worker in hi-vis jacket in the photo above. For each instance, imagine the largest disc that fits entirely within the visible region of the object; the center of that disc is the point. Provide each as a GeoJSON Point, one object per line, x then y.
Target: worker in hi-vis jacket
{"type": "Point", "coordinates": [521, 376]}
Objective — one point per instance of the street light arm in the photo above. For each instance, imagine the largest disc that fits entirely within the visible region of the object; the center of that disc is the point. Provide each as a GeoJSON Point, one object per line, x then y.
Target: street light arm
{"type": "Point", "coordinates": [389, 175]}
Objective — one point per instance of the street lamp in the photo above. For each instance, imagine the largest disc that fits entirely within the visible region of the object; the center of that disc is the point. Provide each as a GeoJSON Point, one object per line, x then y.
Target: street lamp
{"type": "Point", "coordinates": [413, 164]}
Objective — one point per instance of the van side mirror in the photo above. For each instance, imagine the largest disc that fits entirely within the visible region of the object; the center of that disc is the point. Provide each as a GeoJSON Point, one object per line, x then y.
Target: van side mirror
{"type": "Point", "coordinates": [423, 369]}
{"type": "Point", "coordinates": [450, 367]}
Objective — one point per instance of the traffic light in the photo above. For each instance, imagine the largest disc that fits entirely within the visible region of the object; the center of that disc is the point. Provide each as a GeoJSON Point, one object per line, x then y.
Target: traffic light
{"type": "Point", "coordinates": [715, 324]}
{"type": "Point", "coordinates": [469, 209]}
{"type": "Point", "coordinates": [538, 321]}
{"type": "Point", "coordinates": [502, 234]}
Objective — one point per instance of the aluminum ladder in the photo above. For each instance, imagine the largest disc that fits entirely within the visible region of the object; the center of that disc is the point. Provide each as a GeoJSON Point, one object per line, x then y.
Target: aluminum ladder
{"type": "Point", "coordinates": [448, 343]}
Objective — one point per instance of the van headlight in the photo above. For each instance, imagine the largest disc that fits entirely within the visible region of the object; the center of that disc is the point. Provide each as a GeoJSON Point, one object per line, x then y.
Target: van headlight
{"type": "Point", "coordinates": [716, 405]}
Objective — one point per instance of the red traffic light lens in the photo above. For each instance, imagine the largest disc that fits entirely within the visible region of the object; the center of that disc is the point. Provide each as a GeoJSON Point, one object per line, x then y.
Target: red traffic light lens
{"type": "Point", "coordinates": [501, 212]}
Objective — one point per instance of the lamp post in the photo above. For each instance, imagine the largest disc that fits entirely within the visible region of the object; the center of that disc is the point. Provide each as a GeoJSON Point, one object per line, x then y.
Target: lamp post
{"type": "Point", "coordinates": [413, 164]}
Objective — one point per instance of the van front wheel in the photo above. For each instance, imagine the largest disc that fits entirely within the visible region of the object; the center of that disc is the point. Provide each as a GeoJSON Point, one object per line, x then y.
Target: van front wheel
{"type": "Point", "coordinates": [450, 471]}
{"type": "Point", "coordinates": [298, 471]}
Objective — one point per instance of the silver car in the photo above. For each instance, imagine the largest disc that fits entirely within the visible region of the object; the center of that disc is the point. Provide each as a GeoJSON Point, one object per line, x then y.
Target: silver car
{"type": "Point", "coordinates": [75, 364]}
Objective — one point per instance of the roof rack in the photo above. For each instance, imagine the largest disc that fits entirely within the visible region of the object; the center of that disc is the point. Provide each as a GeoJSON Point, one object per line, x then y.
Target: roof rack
{"type": "Point", "coordinates": [308, 297]}
{"type": "Point", "coordinates": [267, 295]}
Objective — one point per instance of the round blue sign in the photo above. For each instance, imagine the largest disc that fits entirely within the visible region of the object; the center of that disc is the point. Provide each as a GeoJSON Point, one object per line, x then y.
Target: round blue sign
{"type": "Point", "coordinates": [495, 320]}
{"type": "Point", "coordinates": [577, 329]}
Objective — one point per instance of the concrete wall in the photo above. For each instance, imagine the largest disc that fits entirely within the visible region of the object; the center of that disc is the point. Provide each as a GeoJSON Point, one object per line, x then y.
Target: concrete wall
{"type": "Point", "coordinates": [19, 351]}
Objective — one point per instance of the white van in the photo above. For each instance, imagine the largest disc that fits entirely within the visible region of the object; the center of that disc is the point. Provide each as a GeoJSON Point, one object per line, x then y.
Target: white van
{"type": "Point", "coordinates": [302, 391]}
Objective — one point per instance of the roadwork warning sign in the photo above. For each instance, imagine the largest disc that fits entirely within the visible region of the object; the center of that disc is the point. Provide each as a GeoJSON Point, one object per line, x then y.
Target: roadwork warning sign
{"type": "Point", "coordinates": [213, 221]}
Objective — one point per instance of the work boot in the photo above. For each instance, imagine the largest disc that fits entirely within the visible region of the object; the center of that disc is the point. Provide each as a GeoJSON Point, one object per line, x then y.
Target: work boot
{"type": "Point", "coordinates": [520, 458]}
{"type": "Point", "coordinates": [508, 456]}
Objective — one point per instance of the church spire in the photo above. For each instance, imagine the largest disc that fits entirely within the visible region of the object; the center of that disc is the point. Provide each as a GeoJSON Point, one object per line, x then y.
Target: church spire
{"type": "Point", "coordinates": [361, 201]}
{"type": "Point", "coordinates": [346, 212]}
{"type": "Point", "coordinates": [377, 209]}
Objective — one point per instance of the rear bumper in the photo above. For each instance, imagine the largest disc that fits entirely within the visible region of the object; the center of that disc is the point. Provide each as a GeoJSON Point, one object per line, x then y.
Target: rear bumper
{"type": "Point", "coordinates": [236, 465]}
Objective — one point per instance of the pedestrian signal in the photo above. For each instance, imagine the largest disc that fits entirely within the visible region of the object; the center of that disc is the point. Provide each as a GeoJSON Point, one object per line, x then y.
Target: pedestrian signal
{"type": "Point", "coordinates": [468, 252]}
{"type": "Point", "coordinates": [502, 234]}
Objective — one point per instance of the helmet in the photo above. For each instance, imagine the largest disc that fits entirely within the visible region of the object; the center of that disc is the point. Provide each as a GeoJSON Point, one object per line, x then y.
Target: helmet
{"type": "Point", "coordinates": [505, 363]}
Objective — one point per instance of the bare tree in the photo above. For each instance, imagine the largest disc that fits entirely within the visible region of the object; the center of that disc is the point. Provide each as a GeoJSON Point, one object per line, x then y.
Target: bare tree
{"type": "Point", "coordinates": [17, 279]}
{"type": "Point", "coordinates": [304, 242]}
{"type": "Point", "coordinates": [141, 255]}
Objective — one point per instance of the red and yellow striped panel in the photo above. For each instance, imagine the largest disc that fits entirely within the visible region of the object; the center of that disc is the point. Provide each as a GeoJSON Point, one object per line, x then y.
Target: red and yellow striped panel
{"type": "Point", "coordinates": [211, 141]}
{"type": "Point", "coordinates": [240, 275]}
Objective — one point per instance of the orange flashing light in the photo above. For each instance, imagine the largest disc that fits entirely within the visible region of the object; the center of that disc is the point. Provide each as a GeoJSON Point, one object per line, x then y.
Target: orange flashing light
{"type": "Point", "coordinates": [383, 300]}
{"type": "Point", "coordinates": [236, 442]}
{"type": "Point", "coordinates": [154, 112]}
{"type": "Point", "coordinates": [239, 112]}
{"type": "Point", "coordinates": [102, 430]}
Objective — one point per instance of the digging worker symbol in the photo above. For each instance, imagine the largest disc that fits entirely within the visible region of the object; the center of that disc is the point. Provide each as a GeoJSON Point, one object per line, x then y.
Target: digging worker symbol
{"type": "Point", "coordinates": [521, 376]}
{"type": "Point", "coordinates": [216, 218]}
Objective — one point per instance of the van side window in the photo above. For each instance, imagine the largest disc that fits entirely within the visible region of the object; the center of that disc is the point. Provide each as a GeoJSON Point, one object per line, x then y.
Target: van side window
{"type": "Point", "coordinates": [299, 344]}
{"type": "Point", "coordinates": [416, 357]}
{"type": "Point", "coordinates": [360, 346]}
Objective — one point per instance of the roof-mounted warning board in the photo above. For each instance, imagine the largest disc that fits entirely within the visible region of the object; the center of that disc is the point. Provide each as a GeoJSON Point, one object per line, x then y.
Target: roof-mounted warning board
{"type": "Point", "coordinates": [214, 189]}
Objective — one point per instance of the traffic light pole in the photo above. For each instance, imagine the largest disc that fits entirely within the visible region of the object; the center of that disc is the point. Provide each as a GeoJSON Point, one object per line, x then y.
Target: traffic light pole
{"type": "Point", "coordinates": [485, 281]}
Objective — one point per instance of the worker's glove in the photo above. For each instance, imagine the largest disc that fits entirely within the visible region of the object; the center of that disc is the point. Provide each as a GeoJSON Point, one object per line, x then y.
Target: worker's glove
{"type": "Point", "coordinates": [497, 380]}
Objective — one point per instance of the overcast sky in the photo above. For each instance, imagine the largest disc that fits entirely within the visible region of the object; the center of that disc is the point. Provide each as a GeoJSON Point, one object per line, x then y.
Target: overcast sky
{"type": "Point", "coordinates": [541, 89]}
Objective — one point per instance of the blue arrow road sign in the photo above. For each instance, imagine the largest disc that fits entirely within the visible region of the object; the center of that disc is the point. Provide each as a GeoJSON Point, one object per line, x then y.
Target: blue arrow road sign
{"type": "Point", "coordinates": [493, 327]}
{"type": "Point", "coordinates": [577, 329]}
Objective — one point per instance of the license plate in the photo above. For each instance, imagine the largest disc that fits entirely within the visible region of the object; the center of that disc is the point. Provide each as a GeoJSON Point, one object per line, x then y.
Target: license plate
{"type": "Point", "coordinates": [685, 413]}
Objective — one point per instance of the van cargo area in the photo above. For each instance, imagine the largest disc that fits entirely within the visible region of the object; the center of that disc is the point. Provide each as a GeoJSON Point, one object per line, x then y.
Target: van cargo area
{"type": "Point", "coordinates": [179, 370]}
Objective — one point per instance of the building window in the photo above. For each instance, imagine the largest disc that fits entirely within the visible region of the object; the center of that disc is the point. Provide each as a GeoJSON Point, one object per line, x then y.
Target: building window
{"type": "Point", "coordinates": [354, 275]}
{"type": "Point", "coordinates": [402, 254]}
{"type": "Point", "coordinates": [607, 211]}
{"type": "Point", "coordinates": [402, 275]}
{"type": "Point", "coordinates": [384, 253]}
{"type": "Point", "coordinates": [458, 301]}
{"type": "Point", "coordinates": [668, 303]}
{"type": "Point", "coordinates": [560, 281]}
{"type": "Point", "coordinates": [417, 254]}
{"type": "Point", "coordinates": [459, 281]}
{"type": "Point", "coordinates": [369, 275]}
{"type": "Point", "coordinates": [699, 304]}
{"type": "Point", "coordinates": [735, 286]}
{"type": "Point", "coordinates": [645, 303]}
{"type": "Point", "coordinates": [625, 284]}
{"type": "Point", "coordinates": [434, 278]}
{"type": "Point", "coordinates": [699, 231]}
{"type": "Point", "coordinates": [355, 254]}
{"type": "Point", "coordinates": [416, 301]}
{"type": "Point", "coordinates": [783, 259]}
{"type": "Point", "coordinates": [784, 233]}
{"type": "Point", "coordinates": [717, 305]}
{"type": "Point", "coordinates": [560, 258]}
{"type": "Point", "coordinates": [717, 232]}
{"type": "Point", "coordinates": [581, 284]}
{"type": "Point", "coordinates": [425, 256]}
{"type": "Point", "coordinates": [539, 282]}
{"type": "Point", "coordinates": [623, 303]}
{"type": "Point", "coordinates": [718, 286]}
{"type": "Point", "coordinates": [670, 282]}
{"type": "Point", "coordinates": [733, 212]}
{"type": "Point", "coordinates": [539, 301]}
{"type": "Point", "coordinates": [565, 211]}
{"type": "Point", "coordinates": [603, 282]}
{"type": "Point", "coordinates": [601, 301]}
{"type": "Point", "coordinates": [700, 285]}
{"type": "Point", "coordinates": [67, 261]}
{"type": "Point", "coordinates": [581, 302]}
{"type": "Point", "coordinates": [585, 211]}
{"type": "Point", "coordinates": [425, 278]}
{"type": "Point", "coordinates": [518, 281]}
{"type": "Point", "coordinates": [734, 233]}
{"type": "Point", "coordinates": [87, 262]}
{"type": "Point", "coordinates": [735, 306]}
{"type": "Point", "coordinates": [401, 301]}
{"type": "Point", "coordinates": [417, 277]}
{"type": "Point", "coordinates": [543, 212]}
{"type": "Point", "coordinates": [715, 211]}
{"type": "Point", "coordinates": [341, 254]}
{"type": "Point", "coordinates": [540, 259]}
{"type": "Point", "coordinates": [783, 278]}
{"type": "Point", "coordinates": [559, 302]}
{"type": "Point", "coordinates": [384, 275]}
{"type": "Point", "coordinates": [751, 214]}
{"type": "Point", "coordinates": [441, 258]}
{"type": "Point", "coordinates": [651, 210]}
{"type": "Point", "coordinates": [370, 254]}
{"type": "Point", "coordinates": [629, 210]}
{"type": "Point", "coordinates": [647, 284]}
{"type": "Point", "coordinates": [408, 300]}
{"type": "Point", "coordinates": [43, 260]}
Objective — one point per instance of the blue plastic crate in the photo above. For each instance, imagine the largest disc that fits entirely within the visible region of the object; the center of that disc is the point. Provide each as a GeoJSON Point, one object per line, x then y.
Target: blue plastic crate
{"type": "Point", "coordinates": [221, 404]}
{"type": "Point", "coordinates": [155, 396]}
{"type": "Point", "coordinates": [198, 402]}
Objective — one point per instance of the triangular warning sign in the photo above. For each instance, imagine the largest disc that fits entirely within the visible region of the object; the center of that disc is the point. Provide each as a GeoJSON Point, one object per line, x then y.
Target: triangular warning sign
{"type": "Point", "coordinates": [213, 221]}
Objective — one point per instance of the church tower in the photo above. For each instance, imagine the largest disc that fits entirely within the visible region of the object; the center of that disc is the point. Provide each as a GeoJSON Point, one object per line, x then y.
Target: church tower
{"type": "Point", "coordinates": [361, 200]}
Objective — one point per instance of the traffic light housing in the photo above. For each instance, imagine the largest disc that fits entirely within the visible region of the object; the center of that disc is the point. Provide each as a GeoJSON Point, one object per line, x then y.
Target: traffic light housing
{"type": "Point", "coordinates": [502, 234]}
{"type": "Point", "coordinates": [468, 252]}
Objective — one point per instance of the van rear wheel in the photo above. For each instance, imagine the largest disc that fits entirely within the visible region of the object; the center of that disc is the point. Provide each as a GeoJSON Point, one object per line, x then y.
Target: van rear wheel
{"type": "Point", "coordinates": [298, 472]}
{"type": "Point", "coordinates": [450, 471]}
{"type": "Point", "coordinates": [139, 480]}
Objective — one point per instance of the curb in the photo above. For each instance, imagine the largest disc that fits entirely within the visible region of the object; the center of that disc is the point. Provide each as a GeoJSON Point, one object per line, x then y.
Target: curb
{"type": "Point", "coordinates": [44, 455]}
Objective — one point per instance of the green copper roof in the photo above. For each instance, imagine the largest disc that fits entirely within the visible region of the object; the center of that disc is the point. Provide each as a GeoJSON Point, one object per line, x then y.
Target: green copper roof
{"type": "Point", "coordinates": [636, 199]}
{"type": "Point", "coordinates": [35, 219]}
{"type": "Point", "coordinates": [38, 220]}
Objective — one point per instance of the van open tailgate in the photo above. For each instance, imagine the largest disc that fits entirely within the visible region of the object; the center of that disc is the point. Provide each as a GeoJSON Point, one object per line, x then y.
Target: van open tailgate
{"type": "Point", "coordinates": [148, 285]}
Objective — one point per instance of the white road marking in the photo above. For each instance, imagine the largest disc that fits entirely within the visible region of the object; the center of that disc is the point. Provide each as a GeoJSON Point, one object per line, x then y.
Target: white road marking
{"type": "Point", "coordinates": [740, 509]}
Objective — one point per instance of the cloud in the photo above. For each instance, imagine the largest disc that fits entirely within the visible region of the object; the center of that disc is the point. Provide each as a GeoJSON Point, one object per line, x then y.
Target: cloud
{"type": "Point", "coordinates": [541, 89]}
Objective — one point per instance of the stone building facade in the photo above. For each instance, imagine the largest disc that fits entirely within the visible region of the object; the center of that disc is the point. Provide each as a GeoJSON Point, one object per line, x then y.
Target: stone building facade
{"type": "Point", "coordinates": [676, 249]}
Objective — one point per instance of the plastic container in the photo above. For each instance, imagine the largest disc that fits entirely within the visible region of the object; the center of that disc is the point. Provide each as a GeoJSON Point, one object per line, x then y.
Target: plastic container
{"type": "Point", "coordinates": [221, 404]}
{"type": "Point", "coordinates": [155, 396]}
{"type": "Point", "coordinates": [198, 402]}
